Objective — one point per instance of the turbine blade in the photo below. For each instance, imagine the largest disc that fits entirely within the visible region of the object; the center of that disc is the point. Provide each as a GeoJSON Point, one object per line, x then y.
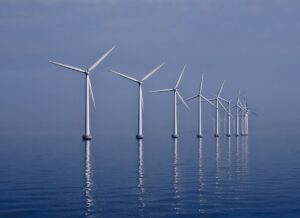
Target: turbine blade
{"type": "Point", "coordinates": [223, 99]}
{"type": "Point", "coordinates": [209, 101]}
{"type": "Point", "coordinates": [182, 100]}
{"type": "Point", "coordinates": [224, 108]}
{"type": "Point", "coordinates": [254, 113]}
{"type": "Point", "coordinates": [238, 96]}
{"type": "Point", "coordinates": [91, 91]}
{"type": "Point", "coordinates": [178, 81]}
{"type": "Point", "coordinates": [201, 83]}
{"type": "Point", "coordinates": [125, 76]}
{"type": "Point", "coordinates": [241, 108]}
{"type": "Point", "coordinates": [163, 90]}
{"type": "Point", "coordinates": [240, 105]}
{"type": "Point", "coordinates": [152, 72]}
{"type": "Point", "coordinates": [191, 98]}
{"type": "Point", "coordinates": [219, 93]}
{"type": "Point", "coordinates": [68, 67]}
{"type": "Point", "coordinates": [101, 59]}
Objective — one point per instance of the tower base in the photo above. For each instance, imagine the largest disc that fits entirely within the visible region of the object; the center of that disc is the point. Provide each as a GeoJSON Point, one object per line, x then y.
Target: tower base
{"type": "Point", "coordinates": [86, 137]}
{"type": "Point", "coordinates": [228, 135]}
{"type": "Point", "coordinates": [199, 136]}
{"type": "Point", "coordinates": [139, 136]}
{"type": "Point", "coordinates": [174, 136]}
{"type": "Point", "coordinates": [216, 135]}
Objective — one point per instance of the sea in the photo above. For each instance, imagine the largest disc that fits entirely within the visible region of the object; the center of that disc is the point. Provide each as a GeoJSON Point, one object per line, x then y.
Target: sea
{"type": "Point", "coordinates": [119, 176]}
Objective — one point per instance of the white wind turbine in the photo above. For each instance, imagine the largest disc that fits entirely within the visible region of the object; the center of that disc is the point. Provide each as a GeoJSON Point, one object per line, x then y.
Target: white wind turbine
{"type": "Point", "coordinates": [237, 107]}
{"type": "Point", "coordinates": [245, 110]}
{"type": "Point", "coordinates": [88, 90]}
{"type": "Point", "coordinates": [176, 94]}
{"type": "Point", "coordinates": [141, 98]}
{"type": "Point", "coordinates": [243, 124]}
{"type": "Point", "coordinates": [244, 117]}
{"type": "Point", "coordinates": [244, 114]}
{"type": "Point", "coordinates": [228, 115]}
{"type": "Point", "coordinates": [217, 103]}
{"type": "Point", "coordinates": [200, 99]}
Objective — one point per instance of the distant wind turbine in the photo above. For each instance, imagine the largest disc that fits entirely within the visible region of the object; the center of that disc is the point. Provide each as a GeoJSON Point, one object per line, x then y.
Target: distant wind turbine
{"type": "Point", "coordinates": [141, 98]}
{"type": "Point", "coordinates": [228, 115]}
{"type": "Point", "coordinates": [200, 99]}
{"type": "Point", "coordinates": [176, 94]}
{"type": "Point", "coordinates": [88, 90]}
{"type": "Point", "coordinates": [245, 110]}
{"type": "Point", "coordinates": [217, 103]}
{"type": "Point", "coordinates": [237, 107]}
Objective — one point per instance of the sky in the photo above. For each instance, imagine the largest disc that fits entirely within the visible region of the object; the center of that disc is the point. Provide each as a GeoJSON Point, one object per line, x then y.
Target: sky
{"type": "Point", "coordinates": [253, 45]}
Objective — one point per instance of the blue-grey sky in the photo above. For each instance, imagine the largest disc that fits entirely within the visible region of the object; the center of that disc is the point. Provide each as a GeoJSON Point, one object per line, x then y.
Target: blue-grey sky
{"type": "Point", "coordinates": [253, 45]}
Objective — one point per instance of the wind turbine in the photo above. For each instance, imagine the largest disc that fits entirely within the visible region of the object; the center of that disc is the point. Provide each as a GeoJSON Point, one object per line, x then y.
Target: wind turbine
{"type": "Point", "coordinates": [245, 117]}
{"type": "Point", "coordinates": [176, 94]}
{"type": "Point", "coordinates": [217, 103]}
{"type": "Point", "coordinates": [88, 89]}
{"type": "Point", "coordinates": [237, 107]}
{"type": "Point", "coordinates": [228, 115]}
{"type": "Point", "coordinates": [141, 98]}
{"type": "Point", "coordinates": [200, 99]}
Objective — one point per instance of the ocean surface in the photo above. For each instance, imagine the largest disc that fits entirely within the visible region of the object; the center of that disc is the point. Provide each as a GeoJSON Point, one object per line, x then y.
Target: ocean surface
{"type": "Point", "coordinates": [118, 176]}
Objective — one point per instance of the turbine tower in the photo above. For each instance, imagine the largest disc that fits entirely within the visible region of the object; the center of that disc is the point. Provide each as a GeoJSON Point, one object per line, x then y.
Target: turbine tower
{"type": "Point", "coordinates": [176, 94]}
{"type": "Point", "coordinates": [200, 99]}
{"type": "Point", "coordinates": [88, 89]}
{"type": "Point", "coordinates": [217, 103]}
{"type": "Point", "coordinates": [141, 98]}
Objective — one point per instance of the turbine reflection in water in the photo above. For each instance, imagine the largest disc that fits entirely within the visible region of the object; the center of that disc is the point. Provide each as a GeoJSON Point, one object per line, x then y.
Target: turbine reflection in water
{"type": "Point", "coordinates": [140, 176]}
{"type": "Point", "coordinates": [176, 177]}
{"type": "Point", "coordinates": [229, 149]}
{"type": "Point", "coordinates": [200, 165]}
{"type": "Point", "coordinates": [229, 158]}
{"type": "Point", "coordinates": [221, 179]}
{"type": "Point", "coordinates": [218, 159]}
{"type": "Point", "coordinates": [245, 150]}
{"type": "Point", "coordinates": [201, 188]}
{"type": "Point", "coordinates": [242, 156]}
{"type": "Point", "coordinates": [89, 185]}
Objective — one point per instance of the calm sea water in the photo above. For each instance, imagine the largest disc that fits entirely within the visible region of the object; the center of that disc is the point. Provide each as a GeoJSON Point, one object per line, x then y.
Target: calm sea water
{"type": "Point", "coordinates": [255, 176]}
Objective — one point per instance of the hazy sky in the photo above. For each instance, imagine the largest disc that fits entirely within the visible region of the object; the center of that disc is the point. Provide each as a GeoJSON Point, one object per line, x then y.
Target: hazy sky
{"type": "Point", "coordinates": [254, 45]}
